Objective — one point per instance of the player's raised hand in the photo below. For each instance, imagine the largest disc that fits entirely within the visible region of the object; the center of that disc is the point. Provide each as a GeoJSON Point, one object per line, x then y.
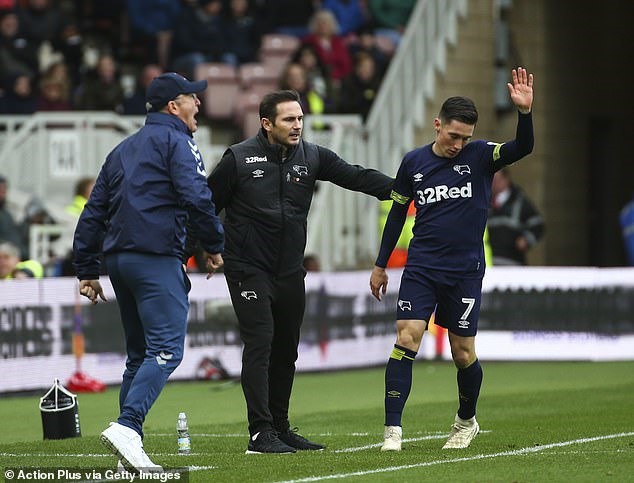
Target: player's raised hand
{"type": "Point", "coordinates": [378, 282]}
{"type": "Point", "coordinates": [521, 90]}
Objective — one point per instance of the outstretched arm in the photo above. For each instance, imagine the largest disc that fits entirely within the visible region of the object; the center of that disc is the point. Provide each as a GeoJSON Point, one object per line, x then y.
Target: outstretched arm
{"type": "Point", "coordinates": [521, 90]}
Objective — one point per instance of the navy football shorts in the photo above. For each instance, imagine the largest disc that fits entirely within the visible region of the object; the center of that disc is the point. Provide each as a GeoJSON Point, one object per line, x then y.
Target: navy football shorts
{"type": "Point", "coordinates": [456, 300]}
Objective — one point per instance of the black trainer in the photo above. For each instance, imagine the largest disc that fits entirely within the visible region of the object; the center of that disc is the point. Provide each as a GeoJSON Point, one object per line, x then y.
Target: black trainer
{"type": "Point", "coordinates": [267, 442]}
{"type": "Point", "coordinates": [292, 438]}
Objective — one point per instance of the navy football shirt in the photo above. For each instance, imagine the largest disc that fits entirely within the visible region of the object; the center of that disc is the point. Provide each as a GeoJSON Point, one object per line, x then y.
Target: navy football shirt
{"type": "Point", "coordinates": [452, 197]}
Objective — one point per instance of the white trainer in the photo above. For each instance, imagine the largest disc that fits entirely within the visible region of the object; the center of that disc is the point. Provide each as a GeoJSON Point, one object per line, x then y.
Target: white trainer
{"type": "Point", "coordinates": [462, 433]}
{"type": "Point", "coordinates": [126, 443]}
{"type": "Point", "coordinates": [393, 435]}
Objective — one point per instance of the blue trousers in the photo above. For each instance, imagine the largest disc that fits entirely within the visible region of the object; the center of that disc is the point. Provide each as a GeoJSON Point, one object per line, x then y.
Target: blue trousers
{"type": "Point", "coordinates": [152, 293]}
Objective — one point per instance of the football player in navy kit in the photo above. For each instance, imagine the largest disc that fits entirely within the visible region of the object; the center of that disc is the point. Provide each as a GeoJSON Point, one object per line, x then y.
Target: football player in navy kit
{"type": "Point", "coordinates": [449, 181]}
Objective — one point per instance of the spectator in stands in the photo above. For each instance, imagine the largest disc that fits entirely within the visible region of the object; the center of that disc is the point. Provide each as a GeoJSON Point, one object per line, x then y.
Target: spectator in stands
{"type": "Point", "coordinates": [100, 89]}
{"type": "Point", "coordinates": [360, 87]}
{"type": "Point", "coordinates": [312, 263]}
{"type": "Point", "coordinates": [288, 17]}
{"type": "Point", "coordinates": [366, 41]}
{"type": "Point", "coordinates": [103, 22]}
{"type": "Point", "coordinates": [83, 188]}
{"type": "Point", "coordinates": [514, 223]}
{"type": "Point", "coordinates": [54, 94]}
{"type": "Point", "coordinates": [17, 53]}
{"type": "Point", "coordinates": [294, 78]}
{"type": "Point", "coordinates": [391, 17]}
{"type": "Point", "coordinates": [9, 229]}
{"type": "Point", "coordinates": [151, 27]}
{"type": "Point", "coordinates": [241, 32]}
{"type": "Point", "coordinates": [35, 213]}
{"type": "Point", "coordinates": [12, 267]}
{"type": "Point", "coordinates": [135, 104]}
{"type": "Point", "coordinates": [199, 38]}
{"type": "Point", "coordinates": [317, 72]}
{"type": "Point", "coordinates": [18, 95]}
{"type": "Point", "coordinates": [329, 46]}
{"type": "Point", "coordinates": [42, 21]}
{"type": "Point", "coordinates": [350, 14]}
{"type": "Point", "coordinates": [6, 5]}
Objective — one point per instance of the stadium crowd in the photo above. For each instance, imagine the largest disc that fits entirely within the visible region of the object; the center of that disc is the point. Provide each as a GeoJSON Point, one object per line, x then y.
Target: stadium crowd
{"type": "Point", "coordinates": [59, 55]}
{"type": "Point", "coordinates": [79, 55]}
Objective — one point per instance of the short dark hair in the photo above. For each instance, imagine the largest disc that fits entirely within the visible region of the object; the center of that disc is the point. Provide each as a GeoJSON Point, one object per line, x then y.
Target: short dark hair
{"type": "Point", "coordinates": [82, 185]}
{"type": "Point", "coordinates": [460, 109]}
{"type": "Point", "coordinates": [268, 106]}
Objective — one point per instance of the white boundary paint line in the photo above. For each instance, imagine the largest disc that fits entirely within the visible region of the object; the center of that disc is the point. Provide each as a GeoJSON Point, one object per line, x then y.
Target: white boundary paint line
{"type": "Point", "coordinates": [377, 445]}
{"type": "Point", "coordinates": [517, 452]}
{"type": "Point", "coordinates": [434, 435]}
{"type": "Point", "coordinates": [327, 434]}
{"type": "Point", "coordinates": [406, 440]}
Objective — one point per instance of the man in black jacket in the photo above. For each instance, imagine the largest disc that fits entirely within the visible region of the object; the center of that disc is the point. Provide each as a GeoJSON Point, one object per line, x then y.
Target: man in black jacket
{"type": "Point", "coordinates": [514, 224]}
{"type": "Point", "coordinates": [265, 185]}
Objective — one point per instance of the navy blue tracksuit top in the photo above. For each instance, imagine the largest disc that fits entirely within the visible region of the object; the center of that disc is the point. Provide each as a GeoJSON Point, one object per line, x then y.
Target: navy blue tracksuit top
{"type": "Point", "coordinates": [150, 187]}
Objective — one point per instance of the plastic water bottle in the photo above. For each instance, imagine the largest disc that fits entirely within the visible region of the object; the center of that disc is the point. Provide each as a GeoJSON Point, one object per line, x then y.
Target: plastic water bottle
{"type": "Point", "coordinates": [184, 441]}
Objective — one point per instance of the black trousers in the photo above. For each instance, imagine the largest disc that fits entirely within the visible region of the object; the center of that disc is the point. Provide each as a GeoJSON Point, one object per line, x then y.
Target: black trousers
{"type": "Point", "coordinates": [270, 311]}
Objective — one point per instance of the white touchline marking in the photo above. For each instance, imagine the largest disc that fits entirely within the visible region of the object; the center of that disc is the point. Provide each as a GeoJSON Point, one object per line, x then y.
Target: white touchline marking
{"type": "Point", "coordinates": [377, 445]}
{"type": "Point", "coordinates": [516, 452]}
{"type": "Point", "coordinates": [405, 440]}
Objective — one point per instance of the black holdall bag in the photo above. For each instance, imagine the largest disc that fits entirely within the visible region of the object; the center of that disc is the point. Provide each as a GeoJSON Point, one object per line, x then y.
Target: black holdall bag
{"type": "Point", "coordinates": [60, 413]}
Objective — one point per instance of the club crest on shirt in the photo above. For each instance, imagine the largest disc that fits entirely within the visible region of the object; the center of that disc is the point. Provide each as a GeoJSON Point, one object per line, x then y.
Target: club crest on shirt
{"type": "Point", "coordinates": [405, 305]}
{"type": "Point", "coordinates": [300, 170]}
{"type": "Point", "coordinates": [249, 294]}
{"type": "Point", "coordinates": [462, 168]}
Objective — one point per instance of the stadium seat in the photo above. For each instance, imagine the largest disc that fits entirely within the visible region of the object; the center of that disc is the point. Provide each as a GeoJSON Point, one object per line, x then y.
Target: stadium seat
{"type": "Point", "coordinates": [258, 78]}
{"type": "Point", "coordinates": [219, 99]}
{"type": "Point", "coordinates": [276, 49]}
{"type": "Point", "coordinates": [247, 117]}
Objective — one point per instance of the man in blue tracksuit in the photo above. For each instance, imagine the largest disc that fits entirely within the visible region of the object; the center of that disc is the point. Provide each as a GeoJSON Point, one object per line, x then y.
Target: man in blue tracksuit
{"type": "Point", "coordinates": [151, 186]}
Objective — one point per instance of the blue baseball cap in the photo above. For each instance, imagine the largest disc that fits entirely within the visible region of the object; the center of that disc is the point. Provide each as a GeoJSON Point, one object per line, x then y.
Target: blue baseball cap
{"type": "Point", "coordinates": [168, 87]}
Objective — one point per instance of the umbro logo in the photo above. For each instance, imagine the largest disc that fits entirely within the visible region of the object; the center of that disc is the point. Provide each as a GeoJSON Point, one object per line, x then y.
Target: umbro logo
{"type": "Point", "coordinates": [462, 168]}
{"type": "Point", "coordinates": [258, 173]}
{"type": "Point", "coordinates": [249, 294]}
{"type": "Point", "coordinates": [463, 324]}
{"type": "Point", "coordinates": [418, 176]}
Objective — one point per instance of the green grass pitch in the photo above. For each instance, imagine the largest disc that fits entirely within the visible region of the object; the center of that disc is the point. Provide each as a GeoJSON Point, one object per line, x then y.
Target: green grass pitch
{"type": "Point", "coordinates": [541, 422]}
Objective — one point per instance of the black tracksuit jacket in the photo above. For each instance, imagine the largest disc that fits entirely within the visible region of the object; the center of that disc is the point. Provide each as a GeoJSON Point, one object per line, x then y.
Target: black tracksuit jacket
{"type": "Point", "coordinates": [266, 200]}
